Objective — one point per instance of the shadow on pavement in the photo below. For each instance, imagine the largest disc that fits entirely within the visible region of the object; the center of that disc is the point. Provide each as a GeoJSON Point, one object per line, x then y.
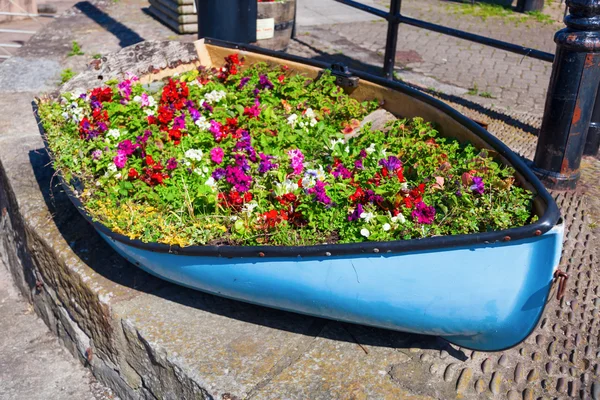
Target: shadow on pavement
{"type": "Point", "coordinates": [126, 36]}
{"type": "Point", "coordinates": [99, 256]}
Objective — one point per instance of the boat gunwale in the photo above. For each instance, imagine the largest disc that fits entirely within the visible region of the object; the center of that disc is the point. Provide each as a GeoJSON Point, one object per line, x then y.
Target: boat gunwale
{"type": "Point", "coordinates": [546, 221]}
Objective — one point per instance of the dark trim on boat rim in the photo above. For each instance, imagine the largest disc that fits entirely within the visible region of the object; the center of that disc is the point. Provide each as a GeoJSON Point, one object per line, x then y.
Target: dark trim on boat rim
{"type": "Point", "coordinates": [548, 220]}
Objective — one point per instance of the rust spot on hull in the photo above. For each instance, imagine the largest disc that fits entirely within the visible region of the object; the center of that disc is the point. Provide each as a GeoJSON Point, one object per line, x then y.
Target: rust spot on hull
{"type": "Point", "coordinates": [589, 61]}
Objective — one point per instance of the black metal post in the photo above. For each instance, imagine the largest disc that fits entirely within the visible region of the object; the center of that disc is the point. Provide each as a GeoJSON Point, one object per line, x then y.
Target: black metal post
{"type": "Point", "coordinates": [392, 39]}
{"type": "Point", "coordinates": [571, 96]}
{"type": "Point", "coordinates": [592, 143]}
{"type": "Point", "coordinates": [530, 5]}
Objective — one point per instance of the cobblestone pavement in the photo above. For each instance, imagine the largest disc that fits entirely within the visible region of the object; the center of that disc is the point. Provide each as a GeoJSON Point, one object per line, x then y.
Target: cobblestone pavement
{"type": "Point", "coordinates": [503, 79]}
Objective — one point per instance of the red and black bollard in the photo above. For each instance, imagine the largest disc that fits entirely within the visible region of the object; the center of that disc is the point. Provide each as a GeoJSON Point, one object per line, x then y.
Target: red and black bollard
{"type": "Point", "coordinates": [571, 98]}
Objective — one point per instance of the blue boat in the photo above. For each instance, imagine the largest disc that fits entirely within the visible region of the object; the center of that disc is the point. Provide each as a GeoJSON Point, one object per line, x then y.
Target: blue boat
{"type": "Point", "coordinates": [483, 291]}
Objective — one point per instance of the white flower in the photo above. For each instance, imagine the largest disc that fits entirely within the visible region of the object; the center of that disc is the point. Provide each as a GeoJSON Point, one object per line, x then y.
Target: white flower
{"type": "Point", "coordinates": [98, 183]}
{"type": "Point", "coordinates": [211, 182]}
{"type": "Point", "coordinates": [194, 154]}
{"type": "Point", "coordinates": [404, 185]}
{"type": "Point", "coordinates": [112, 168]}
{"type": "Point", "coordinates": [288, 186]}
{"type": "Point", "coordinates": [292, 120]}
{"type": "Point", "coordinates": [118, 176]}
{"type": "Point", "coordinates": [113, 133]}
{"type": "Point", "coordinates": [367, 216]}
{"type": "Point", "coordinates": [202, 123]}
{"type": "Point", "coordinates": [399, 219]}
{"type": "Point", "coordinates": [215, 96]}
{"type": "Point", "coordinates": [347, 149]}
{"type": "Point", "coordinates": [365, 232]}
{"type": "Point", "coordinates": [313, 122]}
{"type": "Point", "coordinates": [149, 111]}
{"type": "Point", "coordinates": [198, 171]}
{"type": "Point", "coordinates": [336, 141]}
{"type": "Point", "coordinates": [386, 227]}
{"type": "Point", "coordinates": [195, 83]}
{"type": "Point", "coordinates": [309, 113]}
{"type": "Point", "coordinates": [248, 208]}
{"type": "Point", "coordinates": [370, 149]}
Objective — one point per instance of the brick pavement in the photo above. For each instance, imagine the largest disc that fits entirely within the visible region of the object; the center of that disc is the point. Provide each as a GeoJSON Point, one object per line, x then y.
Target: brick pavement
{"type": "Point", "coordinates": [515, 82]}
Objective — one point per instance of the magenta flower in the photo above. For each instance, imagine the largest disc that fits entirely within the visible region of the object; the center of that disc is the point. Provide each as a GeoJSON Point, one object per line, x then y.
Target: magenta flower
{"type": "Point", "coordinates": [171, 163]}
{"type": "Point", "coordinates": [216, 155]}
{"type": "Point", "coordinates": [319, 191]}
{"type": "Point", "coordinates": [120, 159]}
{"type": "Point", "coordinates": [207, 107]}
{"type": "Point", "coordinates": [423, 213]}
{"type": "Point", "coordinates": [296, 160]}
{"type": "Point", "coordinates": [143, 139]}
{"type": "Point", "coordinates": [125, 89]}
{"type": "Point", "coordinates": [236, 177]}
{"type": "Point", "coordinates": [216, 128]}
{"type": "Point", "coordinates": [341, 171]}
{"type": "Point", "coordinates": [179, 122]}
{"type": "Point", "coordinates": [127, 147]}
{"type": "Point", "coordinates": [145, 102]}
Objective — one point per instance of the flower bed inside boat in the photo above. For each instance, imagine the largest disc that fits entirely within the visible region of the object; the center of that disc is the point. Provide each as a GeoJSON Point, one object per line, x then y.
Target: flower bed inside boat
{"type": "Point", "coordinates": [259, 155]}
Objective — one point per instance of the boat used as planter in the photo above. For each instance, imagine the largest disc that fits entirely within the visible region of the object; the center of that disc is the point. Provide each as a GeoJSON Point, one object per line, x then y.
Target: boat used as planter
{"type": "Point", "coordinates": [484, 291]}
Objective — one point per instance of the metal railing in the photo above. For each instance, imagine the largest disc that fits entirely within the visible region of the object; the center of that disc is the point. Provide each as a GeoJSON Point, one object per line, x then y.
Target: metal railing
{"type": "Point", "coordinates": [571, 122]}
{"type": "Point", "coordinates": [395, 18]}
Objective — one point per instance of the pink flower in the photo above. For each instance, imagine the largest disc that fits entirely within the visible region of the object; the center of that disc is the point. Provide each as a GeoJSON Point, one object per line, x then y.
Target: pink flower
{"type": "Point", "coordinates": [145, 101]}
{"type": "Point", "coordinates": [296, 160]}
{"type": "Point", "coordinates": [423, 213]}
{"type": "Point", "coordinates": [217, 130]}
{"type": "Point", "coordinates": [216, 155]}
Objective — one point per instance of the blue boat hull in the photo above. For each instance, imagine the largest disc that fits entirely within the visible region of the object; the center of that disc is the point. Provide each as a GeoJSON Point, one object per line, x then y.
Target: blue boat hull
{"type": "Point", "coordinates": [484, 297]}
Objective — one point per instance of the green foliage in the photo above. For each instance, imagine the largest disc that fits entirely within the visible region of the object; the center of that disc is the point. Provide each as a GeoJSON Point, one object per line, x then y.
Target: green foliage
{"type": "Point", "coordinates": [97, 56]}
{"type": "Point", "coordinates": [75, 50]}
{"type": "Point", "coordinates": [66, 75]}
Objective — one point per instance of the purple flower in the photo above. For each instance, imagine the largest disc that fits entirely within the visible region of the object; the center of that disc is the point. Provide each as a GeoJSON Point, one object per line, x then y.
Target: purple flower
{"type": "Point", "coordinates": [319, 191]}
{"type": "Point", "coordinates": [478, 186]}
{"type": "Point", "coordinates": [243, 82]}
{"type": "Point", "coordinates": [371, 197]}
{"type": "Point", "coordinates": [296, 160]}
{"type": "Point", "coordinates": [171, 163]}
{"type": "Point", "coordinates": [265, 83]}
{"type": "Point", "coordinates": [265, 163]}
{"type": "Point", "coordinates": [423, 213]}
{"type": "Point", "coordinates": [218, 174]}
{"type": "Point", "coordinates": [127, 147]}
{"type": "Point", "coordinates": [391, 164]}
{"type": "Point", "coordinates": [341, 171]}
{"type": "Point", "coordinates": [244, 143]}
{"type": "Point", "coordinates": [256, 92]}
{"type": "Point", "coordinates": [143, 139]}
{"type": "Point", "coordinates": [102, 127]}
{"type": "Point", "coordinates": [236, 177]}
{"type": "Point", "coordinates": [195, 114]}
{"type": "Point", "coordinates": [96, 154]}
{"type": "Point", "coordinates": [459, 193]}
{"type": "Point", "coordinates": [358, 164]}
{"type": "Point", "coordinates": [120, 159]}
{"type": "Point", "coordinates": [356, 213]}
{"type": "Point", "coordinates": [240, 161]}
{"type": "Point", "coordinates": [207, 107]}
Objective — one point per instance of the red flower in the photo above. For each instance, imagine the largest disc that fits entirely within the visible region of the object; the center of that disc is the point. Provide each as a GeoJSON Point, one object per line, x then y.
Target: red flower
{"type": "Point", "coordinates": [133, 174]}
{"type": "Point", "coordinates": [358, 195]}
{"type": "Point", "coordinates": [175, 135]}
{"type": "Point", "coordinates": [281, 78]}
{"type": "Point", "coordinates": [151, 120]}
{"type": "Point", "coordinates": [165, 115]}
{"type": "Point", "coordinates": [149, 160]}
